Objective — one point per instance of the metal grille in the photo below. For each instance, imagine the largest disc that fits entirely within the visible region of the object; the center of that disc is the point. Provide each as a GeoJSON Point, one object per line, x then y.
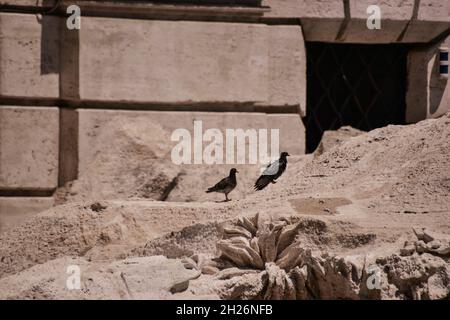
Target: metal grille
{"type": "Point", "coordinates": [358, 85]}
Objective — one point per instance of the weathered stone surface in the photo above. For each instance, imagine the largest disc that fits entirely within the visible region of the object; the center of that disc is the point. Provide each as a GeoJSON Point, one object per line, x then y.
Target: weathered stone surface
{"type": "Point", "coordinates": [292, 272]}
{"type": "Point", "coordinates": [129, 153]}
{"type": "Point", "coordinates": [432, 10]}
{"type": "Point", "coordinates": [332, 138]}
{"type": "Point", "coordinates": [358, 32]}
{"type": "Point", "coordinates": [294, 143]}
{"type": "Point", "coordinates": [427, 242]}
{"type": "Point", "coordinates": [157, 273]}
{"type": "Point", "coordinates": [209, 270]}
{"type": "Point", "coordinates": [153, 277]}
{"type": "Point", "coordinates": [93, 122]}
{"type": "Point", "coordinates": [29, 51]}
{"type": "Point", "coordinates": [305, 8]}
{"type": "Point", "coordinates": [408, 249]}
{"type": "Point", "coordinates": [427, 95]}
{"type": "Point", "coordinates": [191, 62]}
{"type": "Point", "coordinates": [329, 21]}
{"type": "Point", "coordinates": [278, 285]}
{"type": "Point", "coordinates": [164, 61]}
{"type": "Point", "coordinates": [29, 138]}
{"type": "Point", "coordinates": [438, 287]}
{"type": "Point", "coordinates": [390, 9]}
{"type": "Point", "coordinates": [287, 67]}
{"type": "Point", "coordinates": [230, 273]}
{"type": "Point", "coordinates": [248, 286]}
{"type": "Point", "coordinates": [37, 3]}
{"type": "Point", "coordinates": [15, 210]}
{"type": "Point", "coordinates": [424, 10]}
{"type": "Point", "coordinates": [271, 242]}
{"type": "Point", "coordinates": [323, 30]}
{"type": "Point", "coordinates": [410, 274]}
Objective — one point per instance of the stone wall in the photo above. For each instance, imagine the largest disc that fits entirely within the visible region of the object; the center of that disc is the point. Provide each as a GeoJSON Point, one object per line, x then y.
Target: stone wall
{"type": "Point", "coordinates": [228, 66]}
{"type": "Point", "coordinates": [115, 63]}
{"type": "Point", "coordinates": [92, 123]}
{"type": "Point", "coordinates": [403, 21]}
{"type": "Point", "coordinates": [428, 94]}
{"type": "Point", "coordinates": [29, 151]}
{"type": "Point", "coordinates": [29, 144]}
{"type": "Point", "coordinates": [191, 62]}
{"type": "Point", "coordinates": [29, 56]}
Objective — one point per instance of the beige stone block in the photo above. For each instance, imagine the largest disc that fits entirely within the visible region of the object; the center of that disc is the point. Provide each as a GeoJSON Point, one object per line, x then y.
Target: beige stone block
{"type": "Point", "coordinates": [29, 51]}
{"type": "Point", "coordinates": [427, 20]}
{"type": "Point", "coordinates": [390, 9]}
{"type": "Point", "coordinates": [287, 67]}
{"type": "Point", "coordinates": [390, 32]}
{"type": "Point", "coordinates": [425, 31]}
{"type": "Point", "coordinates": [323, 20]}
{"type": "Point", "coordinates": [430, 10]}
{"type": "Point", "coordinates": [428, 95]}
{"type": "Point", "coordinates": [29, 138]}
{"type": "Point", "coordinates": [322, 30]}
{"type": "Point", "coordinates": [29, 3]}
{"type": "Point", "coordinates": [173, 62]}
{"type": "Point", "coordinates": [305, 8]}
{"type": "Point", "coordinates": [292, 132]}
{"type": "Point", "coordinates": [16, 210]}
{"type": "Point", "coordinates": [99, 129]}
{"type": "Point", "coordinates": [434, 10]}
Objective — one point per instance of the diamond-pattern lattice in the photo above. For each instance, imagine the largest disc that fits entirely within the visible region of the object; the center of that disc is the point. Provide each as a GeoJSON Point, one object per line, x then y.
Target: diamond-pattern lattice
{"type": "Point", "coordinates": [358, 85]}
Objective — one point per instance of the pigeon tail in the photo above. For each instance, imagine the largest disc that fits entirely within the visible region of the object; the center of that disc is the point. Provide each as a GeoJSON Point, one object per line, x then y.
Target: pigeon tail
{"type": "Point", "coordinates": [262, 182]}
{"type": "Point", "coordinates": [212, 189]}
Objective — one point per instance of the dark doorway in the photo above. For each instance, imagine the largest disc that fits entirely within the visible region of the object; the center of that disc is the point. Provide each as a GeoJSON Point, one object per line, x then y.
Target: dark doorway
{"type": "Point", "coordinates": [350, 84]}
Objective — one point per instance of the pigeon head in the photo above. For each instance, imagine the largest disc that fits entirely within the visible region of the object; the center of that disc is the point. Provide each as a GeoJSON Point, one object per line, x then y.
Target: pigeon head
{"type": "Point", "coordinates": [284, 154]}
{"type": "Point", "coordinates": [233, 171]}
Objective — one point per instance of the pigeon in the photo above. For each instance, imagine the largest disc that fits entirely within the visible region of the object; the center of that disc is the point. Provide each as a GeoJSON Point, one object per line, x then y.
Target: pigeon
{"type": "Point", "coordinates": [226, 185]}
{"type": "Point", "coordinates": [272, 172]}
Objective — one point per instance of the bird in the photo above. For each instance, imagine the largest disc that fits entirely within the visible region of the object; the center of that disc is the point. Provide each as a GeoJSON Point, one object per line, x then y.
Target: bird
{"type": "Point", "coordinates": [226, 185]}
{"type": "Point", "coordinates": [273, 172]}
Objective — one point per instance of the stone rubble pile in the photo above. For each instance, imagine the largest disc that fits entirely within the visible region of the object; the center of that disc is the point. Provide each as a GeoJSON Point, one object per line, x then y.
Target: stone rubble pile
{"type": "Point", "coordinates": [265, 260]}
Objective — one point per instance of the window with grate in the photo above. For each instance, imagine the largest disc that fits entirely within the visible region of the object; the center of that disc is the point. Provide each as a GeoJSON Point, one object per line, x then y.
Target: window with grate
{"type": "Point", "coordinates": [358, 85]}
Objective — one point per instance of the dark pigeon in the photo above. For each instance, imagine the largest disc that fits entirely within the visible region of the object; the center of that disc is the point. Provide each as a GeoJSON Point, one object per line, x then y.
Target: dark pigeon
{"type": "Point", "coordinates": [272, 172]}
{"type": "Point", "coordinates": [226, 185]}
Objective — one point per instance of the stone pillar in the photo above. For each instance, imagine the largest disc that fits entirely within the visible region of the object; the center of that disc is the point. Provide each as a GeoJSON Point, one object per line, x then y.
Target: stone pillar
{"type": "Point", "coordinates": [428, 95]}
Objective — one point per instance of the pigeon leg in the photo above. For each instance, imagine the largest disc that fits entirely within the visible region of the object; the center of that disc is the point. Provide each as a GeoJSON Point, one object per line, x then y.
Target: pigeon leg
{"type": "Point", "coordinates": [226, 197]}
{"type": "Point", "coordinates": [273, 181]}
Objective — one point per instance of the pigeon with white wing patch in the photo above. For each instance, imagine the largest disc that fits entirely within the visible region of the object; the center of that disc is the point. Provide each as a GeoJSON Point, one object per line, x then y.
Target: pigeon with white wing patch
{"type": "Point", "coordinates": [272, 172]}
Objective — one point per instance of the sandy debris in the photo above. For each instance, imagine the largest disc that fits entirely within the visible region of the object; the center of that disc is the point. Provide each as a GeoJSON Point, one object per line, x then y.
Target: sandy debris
{"type": "Point", "coordinates": [380, 198]}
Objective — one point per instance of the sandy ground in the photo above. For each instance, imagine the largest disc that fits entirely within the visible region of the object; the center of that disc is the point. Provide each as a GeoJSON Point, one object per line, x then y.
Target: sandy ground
{"type": "Point", "coordinates": [361, 197]}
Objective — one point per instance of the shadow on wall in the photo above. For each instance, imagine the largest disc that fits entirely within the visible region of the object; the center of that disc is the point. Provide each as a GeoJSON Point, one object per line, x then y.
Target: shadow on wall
{"type": "Point", "coordinates": [414, 16]}
{"type": "Point", "coordinates": [49, 41]}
